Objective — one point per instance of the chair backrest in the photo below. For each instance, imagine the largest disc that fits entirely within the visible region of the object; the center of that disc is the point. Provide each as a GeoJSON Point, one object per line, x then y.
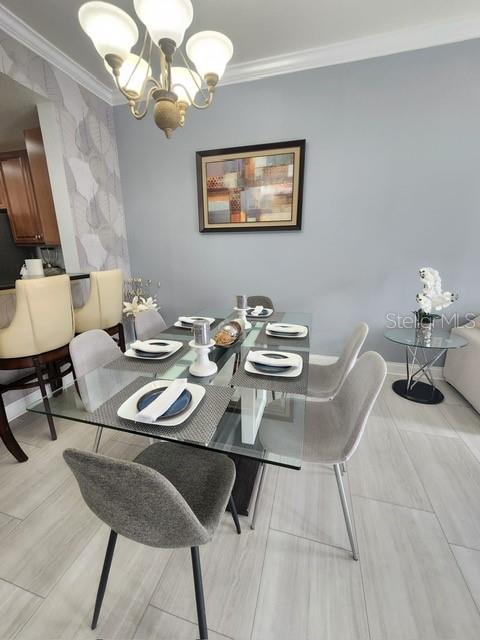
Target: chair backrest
{"type": "Point", "coordinates": [43, 319]}
{"type": "Point", "coordinates": [350, 353]}
{"type": "Point", "coordinates": [356, 398]}
{"type": "Point", "coordinates": [104, 306]}
{"type": "Point", "coordinates": [91, 350]}
{"type": "Point", "coordinates": [264, 301]}
{"type": "Point", "coordinates": [148, 324]}
{"type": "Point", "coordinates": [135, 501]}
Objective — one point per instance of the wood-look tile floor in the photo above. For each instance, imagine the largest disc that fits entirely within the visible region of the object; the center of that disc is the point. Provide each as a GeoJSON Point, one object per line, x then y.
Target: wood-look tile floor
{"type": "Point", "coordinates": [414, 487]}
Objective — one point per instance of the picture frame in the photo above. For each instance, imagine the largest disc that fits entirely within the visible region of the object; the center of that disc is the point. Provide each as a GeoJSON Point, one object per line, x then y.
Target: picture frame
{"type": "Point", "coordinates": [251, 188]}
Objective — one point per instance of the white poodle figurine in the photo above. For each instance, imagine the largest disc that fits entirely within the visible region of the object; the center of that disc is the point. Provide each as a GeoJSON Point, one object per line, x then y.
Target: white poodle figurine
{"type": "Point", "coordinates": [424, 303]}
{"type": "Point", "coordinates": [432, 283]}
{"type": "Point", "coordinates": [432, 296]}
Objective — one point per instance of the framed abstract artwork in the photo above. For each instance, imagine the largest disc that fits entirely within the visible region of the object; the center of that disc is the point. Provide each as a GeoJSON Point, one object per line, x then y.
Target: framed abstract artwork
{"type": "Point", "coordinates": [253, 188]}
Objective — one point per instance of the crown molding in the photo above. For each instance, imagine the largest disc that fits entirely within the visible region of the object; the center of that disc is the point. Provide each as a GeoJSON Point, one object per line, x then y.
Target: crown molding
{"type": "Point", "coordinates": [20, 31]}
{"type": "Point", "coordinates": [382, 44]}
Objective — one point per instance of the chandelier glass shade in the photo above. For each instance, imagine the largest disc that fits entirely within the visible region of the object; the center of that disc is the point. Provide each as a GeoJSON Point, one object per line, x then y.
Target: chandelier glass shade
{"type": "Point", "coordinates": [149, 75]}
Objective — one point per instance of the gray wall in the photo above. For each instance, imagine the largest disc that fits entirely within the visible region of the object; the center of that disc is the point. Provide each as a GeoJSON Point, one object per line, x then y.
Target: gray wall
{"type": "Point", "coordinates": [391, 184]}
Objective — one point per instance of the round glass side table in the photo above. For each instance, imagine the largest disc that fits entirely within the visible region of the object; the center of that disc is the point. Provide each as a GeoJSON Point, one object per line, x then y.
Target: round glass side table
{"type": "Point", "coordinates": [423, 348]}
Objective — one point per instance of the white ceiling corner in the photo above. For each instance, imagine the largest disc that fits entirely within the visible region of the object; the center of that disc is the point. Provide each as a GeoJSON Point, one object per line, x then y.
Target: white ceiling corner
{"type": "Point", "coordinates": [372, 46]}
{"type": "Point", "coordinates": [19, 30]}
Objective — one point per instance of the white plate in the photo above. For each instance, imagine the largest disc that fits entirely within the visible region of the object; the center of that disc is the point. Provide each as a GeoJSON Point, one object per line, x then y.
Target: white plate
{"type": "Point", "coordinates": [190, 326]}
{"type": "Point", "coordinates": [294, 372]}
{"type": "Point", "coordinates": [130, 353]}
{"type": "Point", "coordinates": [270, 311]}
{"type": "Point", "coordinates": [128, 409]}
{"type": "Point", "coordinates": [303, 331]}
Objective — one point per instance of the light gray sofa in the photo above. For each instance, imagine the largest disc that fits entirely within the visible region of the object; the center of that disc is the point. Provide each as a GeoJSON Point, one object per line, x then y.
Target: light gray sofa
{"type": "Point", "coordinates": [462, 366]}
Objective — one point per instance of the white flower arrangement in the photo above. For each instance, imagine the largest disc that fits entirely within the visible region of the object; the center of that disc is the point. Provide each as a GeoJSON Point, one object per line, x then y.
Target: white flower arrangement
{"type": "Point", "coordinates": [432, 298]}
{"type": "Point", "coordinates": [137, 297]}
{"type": "Point", "coordinates": [138, 304]}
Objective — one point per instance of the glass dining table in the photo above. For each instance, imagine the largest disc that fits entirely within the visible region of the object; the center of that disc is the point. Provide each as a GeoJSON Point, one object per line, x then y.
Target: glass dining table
{"type": "Point", "coordinates": [256, 419]}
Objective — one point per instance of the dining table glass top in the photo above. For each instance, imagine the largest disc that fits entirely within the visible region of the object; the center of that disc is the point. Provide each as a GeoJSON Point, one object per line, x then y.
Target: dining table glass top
{"type": "Point", "coordinates": [254, 416]}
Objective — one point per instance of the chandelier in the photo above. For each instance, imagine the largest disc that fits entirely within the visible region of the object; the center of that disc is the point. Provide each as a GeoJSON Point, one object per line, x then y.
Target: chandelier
{"type": "Point", "coordinates": [151, 75]}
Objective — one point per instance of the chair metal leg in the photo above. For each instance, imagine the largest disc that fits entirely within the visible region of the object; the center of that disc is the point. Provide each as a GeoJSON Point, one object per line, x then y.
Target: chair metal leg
{"type": "Point", "coordinates": [46, 403]}
{"type": "Point", "coordinates": [257, 497]}
{"type": "Point", "coordinates": [233, 511]}
{"type": "Point", "coordinates": [346, 512]}
{"type": "Point", "coordinates": [199, 597]}
{"type": "Point", "coordinates": [107, 563]}
{"type": "Point", "coordinates": [96, 442]}
{"type": "Point", "coordinates": [343, 467]}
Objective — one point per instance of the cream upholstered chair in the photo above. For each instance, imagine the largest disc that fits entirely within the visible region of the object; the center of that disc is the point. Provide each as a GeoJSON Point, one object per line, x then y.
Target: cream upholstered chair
{"type": "Point", "coordinates": [37, 337]}
{"type": "Point", "coordinates": [103, 309]}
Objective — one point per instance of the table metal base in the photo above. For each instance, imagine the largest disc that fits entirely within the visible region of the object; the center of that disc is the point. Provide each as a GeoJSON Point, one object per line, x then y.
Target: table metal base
{"type": "Point", "coordinates": [419, 362]}
{"type": "Point", "coordinates": [421, 392]}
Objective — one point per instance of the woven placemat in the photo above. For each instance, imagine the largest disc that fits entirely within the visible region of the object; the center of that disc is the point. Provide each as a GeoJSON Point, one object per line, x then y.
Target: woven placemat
{"type": "Point", "coordinates": [158, 367]}
{"type": "Point", "coordinates": [277, 341]}
{"type": "Point", "coordinates": [187, 331]}
{"type": "Point", "coordinates": [272, 383]}
{"type": "Point", "coordinates": [199, 427]}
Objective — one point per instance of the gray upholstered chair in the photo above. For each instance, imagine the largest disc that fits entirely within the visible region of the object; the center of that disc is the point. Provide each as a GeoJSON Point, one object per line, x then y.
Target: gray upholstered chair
{"type": "Point", "coordinates": [88, 351]}
{"type": "Point", "coordinates": [171, 496]}
{"type": "Point", "coordinates": [264, 301]}
{"type": "Point", "coordinates": [325, 381]}
{"type": "Point", "coordinates": [333, 430]}
{"type": "Point", "coordinates": [148, 324]}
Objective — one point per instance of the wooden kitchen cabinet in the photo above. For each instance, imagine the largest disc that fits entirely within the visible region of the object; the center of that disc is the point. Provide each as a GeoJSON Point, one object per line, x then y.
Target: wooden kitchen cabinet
{"type": "Point", "coordinates": [21, 205]}
{"type": "Point", "coordinates": [28, 193]}
{"type": "Point", "coordinates": [41, 186]}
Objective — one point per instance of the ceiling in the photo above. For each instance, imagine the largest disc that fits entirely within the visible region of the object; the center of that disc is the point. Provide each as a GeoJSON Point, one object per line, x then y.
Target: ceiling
{"type": "Point", "coordinates": [18, 111]}
{"type": "Point", "coordinates": [264, 28]}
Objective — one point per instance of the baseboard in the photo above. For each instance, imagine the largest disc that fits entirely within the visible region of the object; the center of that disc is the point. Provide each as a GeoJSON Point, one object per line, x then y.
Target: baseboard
{"type": "Point", "coordinates": [393, 368]}
{"type": "Point", "coordinates": [18, 407]}
{"type": "Point", "coordinates": [398, 369]}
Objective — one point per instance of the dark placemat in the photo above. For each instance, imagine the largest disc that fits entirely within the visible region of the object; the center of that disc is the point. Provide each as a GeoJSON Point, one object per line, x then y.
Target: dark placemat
{"type": "Point", "coordinates": [124, 363]}
{"type": "Point", "coordinates": [279, 341]}
{"type": "Point", "coordinates": [187, 331]}
{"type": "Point", "coordinates": [199, 427]}
{"type": "Point", "coordinates": [272, 383]}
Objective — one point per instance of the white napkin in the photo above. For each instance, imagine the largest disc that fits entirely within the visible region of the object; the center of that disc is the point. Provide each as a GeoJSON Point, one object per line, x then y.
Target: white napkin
{"type": "Point", "coordinates": [165, 400]}
{"type": "Point", "coordinates": [151, 348]}
{"type": "Point", "coordinates": [284, 328]}
{"type": "Point", "coordinates": [257, 311]}
{"type": "Point", "coordinates": [260, 358]}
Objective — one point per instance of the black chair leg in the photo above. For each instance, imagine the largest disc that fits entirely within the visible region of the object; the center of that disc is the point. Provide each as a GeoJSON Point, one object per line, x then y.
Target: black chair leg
{"type": "Point", "coordinates": [199, 597]}
{"type": "Point", "coordinates": [233, 511]}
{"type": "Point", "coordinates": [107, 563]}
{"type": "Point", "coordinates": [121, 337]}
{"type": "Point", "coordinates": [46, 403]}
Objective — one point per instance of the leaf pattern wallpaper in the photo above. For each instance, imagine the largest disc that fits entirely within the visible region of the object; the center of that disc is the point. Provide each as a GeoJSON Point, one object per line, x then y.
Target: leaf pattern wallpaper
{"type": "Point", "coordinates": [89, 155]}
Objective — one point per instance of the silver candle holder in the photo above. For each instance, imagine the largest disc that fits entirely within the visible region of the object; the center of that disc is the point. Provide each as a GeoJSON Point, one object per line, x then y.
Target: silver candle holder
{"type": "Point", "coordinates": [242, 307]}
{"type": "Point", "coordinates": [202, 344]}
